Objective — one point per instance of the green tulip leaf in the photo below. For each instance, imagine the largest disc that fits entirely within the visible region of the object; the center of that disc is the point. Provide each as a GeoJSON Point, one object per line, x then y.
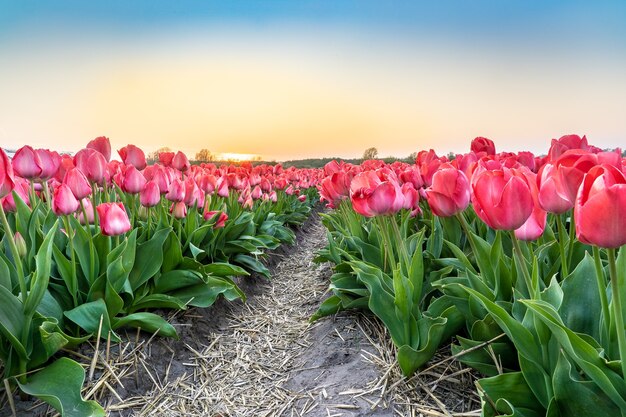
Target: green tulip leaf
{"type": "Point", "coordinates": [205, 294]}
{"type": "Point", "coordinates": [148, 322]}
{"type": "Point", "coordinates": [508, 395]}
{"type": "Point", "coordinates": [148, 258]}
{"type": "Point", "coordinates": [12, 320]}
{"type": "Point", "coordinates": [88, 315]}
{"type": "Point", "coordinates": [59, 385]}
{"type": "Point", "coordinates": [41, 277]}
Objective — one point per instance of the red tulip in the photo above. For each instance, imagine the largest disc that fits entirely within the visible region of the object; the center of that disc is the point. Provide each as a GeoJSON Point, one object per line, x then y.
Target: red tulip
{"type": "Point", "coordinates": [485, 145]}
{"type": "Point", "coordinates": [302, 198]}
{"type": "Point", "coordinates": [26, 163]}
{"type": "Point", "coordinates": [113, 219]}
{"type": "Point", "coordinates": [600, 209]}
{"type": "Point", "coordinates": [133, 181]}
{"type": "Point", "coordinates": [449, 193]}
{"type": "Point", "coordinates": [180, 162]}
{"type": "Point", "coordinates": [78, 183]}
{"type": "Point", "coordinates": [102, 145]}
{"type": "Point", "coordinates": [372, 197]}
{"type": "Point", "coordinates": [220, 221]}
{"type": "Point", "coordinates": [63, 201]}
{"type": "Point", "coordinates": [165, 158]}
{"type": "Point", "coordinates": [150, 195]}
{"type": "Point", "coordinates": [6, 174]}
{"type": "Point", "coordinates": [502, 198]}
{"type": "Point", "coordinates": [132, 155]}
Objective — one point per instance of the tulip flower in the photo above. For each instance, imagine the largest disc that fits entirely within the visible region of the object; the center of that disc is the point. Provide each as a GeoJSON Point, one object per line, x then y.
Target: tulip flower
{"type": "Point", "coordinates": [21, 188]}
{"type": "Point", "coordinates": [334, 188]}
{"type": "Point", "coordinates": [600, 209]}
{"type": "Point", "coordinates": [64, 202]}
{"type": "Point", "coordinates": [534, 226]}
{"type": "Point", "coordinates": [302, 198]}
{"type": "Point", "coordinates": [180, 162]}
{"type": "Point", "coordinates": [92, 163]}
{"type": "Point", "coordinates": [372, 197]}
{"type": "Point", "coordinates": [78, 183]}
{"type": "Point", "coordinates": [449, 193]}
{"type": "Point", "coordinates": [102, 145]}
{"type": "Point", "coordinates": [207, 183]}
{"type": "Point", "coordinates": [6, 174]}
{"type": "Point", "coordinates": [132, 155]}
{"type": "Point", "coordinates": [50, 163]}
{"type": "Point", "coordinates": [485, 145]}
{"type": "Point", "coordinates": [165, 158]}
{"type": "Point", "coordinates": [256, 193]}
{"type": "Point", "coordinates": [222, 187]}
{"type": "Point", "coordinates": [133, 180]}
{"type": "Point", "coordinates": [113, 219]}
{"type": "Point", "coordinates": [179, 210]}
{"type": "Point", "coordinates": [220, 221]}
{"type": "Point", "coordinates": [150, 195]}
{"type": "Point", "coordinates": [566, 143]}
{"type": "Point", "coordinates": [26, 163]}
{"type": "Point", "coordinates": [501, 198]}
{"type": "Point", "coordinates": [176, 191]}
{"type": "Point", "coordinates": [88, 210]}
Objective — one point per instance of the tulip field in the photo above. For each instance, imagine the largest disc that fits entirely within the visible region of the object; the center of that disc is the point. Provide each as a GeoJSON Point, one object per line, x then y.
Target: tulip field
{"type": "Point", "coordinates": [512, 260]}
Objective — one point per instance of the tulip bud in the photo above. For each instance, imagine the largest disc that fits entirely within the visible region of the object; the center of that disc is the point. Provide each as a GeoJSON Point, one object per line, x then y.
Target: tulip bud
{"type": "Point", "coordinates": [20, 243]}
{"type": "Point", "coordinates": [179, 210]}
{"type": "Point", "coordinates": [113, 219]}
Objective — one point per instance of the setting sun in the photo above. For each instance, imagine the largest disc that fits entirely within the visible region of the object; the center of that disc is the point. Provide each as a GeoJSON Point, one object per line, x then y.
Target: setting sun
{"type": "Point", "coordinates": [238, 157]}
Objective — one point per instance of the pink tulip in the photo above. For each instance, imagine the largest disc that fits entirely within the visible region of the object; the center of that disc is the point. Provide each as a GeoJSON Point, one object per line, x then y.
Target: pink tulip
{"type": "Point", "coordinates": [180, 162]}
{"type": "Point", "coordinates": [222, 187]}
{"type": "Point", "coordinates": [78, 183]}
{"type": "Point", "coordinates": [150, 195]}
{"type": "Point", "coordinates": [179, 210]}
{"type": "Point", "coordinates": [449, 193]}
{"type": "Point", "coordinates": [80, 215]}
{"type": "Point", "coordinates": [207, 183]}
{"type": "Point", "coordinates": [256, 193]}
{"type": "Point", "coordinates": [372, 197]}
{"type": "Point", "coordinates": [554, 196]}
{"type": "Point", "coordinates": [113, 219]}
{"type": "Point", "coordinates": [302, 198]}
{"type": "Point", "coordinates": [102, 145]}
{"type": "Point", "coordinates": [485, 145]}
{"type": "Point", "coordinates": [132, 155]}
{"type": "Point", "coordinates": [26, 163]}
{"type": "Point", "coordinates": [220, 221]}
{"type": "Point", "coordinates": [92, 163]}
{"type": "Point", "coordinates": [272, 196]}
{"type": "Point", "coordinates": [63, 201]}
{"type": "Point", "coordinates": [50, 163]}
{"type": "Point", "coordinates": [21, 188]}
{"type": "Point", "coordinates": [502, 198]}
{"type": "Point", "coordinates": [133, 180]}
{"type": "Point", "coordinates": [334, 188]}
{"type": "Point", "coordinates": [6, 174]}
{"type": "Point", "coordinates": [176, 192]}
{"type": "Point", "coordinates": [534, 226]}
{"type": "Point", "coordinates": [566, 143]}
{"type": "Point", "coordinates": [600, 209]}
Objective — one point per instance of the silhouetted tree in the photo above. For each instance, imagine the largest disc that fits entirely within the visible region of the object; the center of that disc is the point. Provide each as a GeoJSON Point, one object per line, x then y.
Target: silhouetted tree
{"type": "Point", "coordinates": [204, 155]}
{"type": "Point", "coordinates": [370, 153]}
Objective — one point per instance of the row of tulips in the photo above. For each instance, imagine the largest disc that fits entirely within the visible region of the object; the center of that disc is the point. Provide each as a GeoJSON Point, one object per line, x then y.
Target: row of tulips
{"type": "Point", "coordinates": [91, 245]}
{"type": "Point", "coordinates": [515, 255]}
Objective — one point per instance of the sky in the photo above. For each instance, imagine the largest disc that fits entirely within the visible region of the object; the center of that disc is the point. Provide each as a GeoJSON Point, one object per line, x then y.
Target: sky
{"type": "Point", "coordinates": [303, 79]}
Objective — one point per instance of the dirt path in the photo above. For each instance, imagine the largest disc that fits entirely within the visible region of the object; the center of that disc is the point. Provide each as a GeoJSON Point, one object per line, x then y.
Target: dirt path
{"type": "Point", "coordinates": [263, 358]}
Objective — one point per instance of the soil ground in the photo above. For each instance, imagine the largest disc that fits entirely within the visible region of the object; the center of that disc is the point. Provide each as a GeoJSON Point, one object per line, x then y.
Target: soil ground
{"type": "Point", "coordinates": [264, 358]}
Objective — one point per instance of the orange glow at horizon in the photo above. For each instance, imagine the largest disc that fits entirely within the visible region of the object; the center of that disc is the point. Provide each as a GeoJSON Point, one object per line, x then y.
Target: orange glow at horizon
{"type": "Point", "coordinates": [237, 157]}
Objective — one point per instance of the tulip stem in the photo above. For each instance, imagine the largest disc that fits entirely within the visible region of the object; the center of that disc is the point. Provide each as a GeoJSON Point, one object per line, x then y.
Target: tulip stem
{"type": "Point", "coordinates": [562, 239]}
{"type": "Point", "coordinates": [600, 280]}
{"type": "Point", "coordinates": [401, 242]}
{"type": "Point", "coordinates": [532, 291]}
{"type": "Point", "coordinates": [73, 282]}
{"type": "Point", "coordinates": [617, 309]}
{"type": "Point", "coordinates": [15, 253]}
{"type": "Point", "coordinates": [468, 232]}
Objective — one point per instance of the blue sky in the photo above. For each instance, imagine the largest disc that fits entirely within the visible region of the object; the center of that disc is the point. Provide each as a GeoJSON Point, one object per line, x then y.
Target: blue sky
{"type": "Point", "coordinates": [399, 75]}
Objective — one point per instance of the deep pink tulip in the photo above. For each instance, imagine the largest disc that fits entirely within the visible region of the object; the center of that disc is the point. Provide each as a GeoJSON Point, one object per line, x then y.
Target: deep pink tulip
{"type": "Point", "coordinates": [180, 162]}
{"type": "Point", "coordinates": [372, 197]}
{"type": "Point", "coordinates": [566, 143]}
{"type": "Point", "coordinates": [92, 163]}
{"type": "Point", "coordinates": [26, 163]}
{"type": "Point", "coordinates": [132, 155]}
{"type": "Point", "coordinates": [150, 195]}
{"type": "Point", "coordinates": [63, 201]}
{"type": "Point", "coordinates": [78, 183]}
{"type": "Point", "coordinates": [554, 196]}
{"type": "Point", "coordinates": [534, 226]}
{"type": "Point", "coordinates": [165, 158]}
{"type": "Point", "coordinates": [485, 145]}
{"type": "Point", "coordinates": [133, 180]}
{"type": "Point", "coordinates": [102, 145]}
{"type": "Point", "coordinates": [411, 197]}
{"type": "Point", "coordinates": [113, 219]}
{"type": "Point", "coordinates": [207, 183]}
{"type": "Point", "coordinates": [50, 163]}
{"type": "Point", "coordinates": [600, 209]}
{"type": "Point", "coordinates": [176, 192]}
{"type": "Point", "coordinates": [22, 188]}
{"type": "Point", "coordinates": [256, 193]}
{"type": "Point", "coordinates": [67, 163]}
{"type": "Point", "coordinates": [449, 193]}
{"type": "Point", "coordinates": [334, 188]}
{"type": "Point", "coordinates": [272, 196]}
{"type": "Point", "coordinates": [6, 174]}
{"type": "Point", "coordinates": [302, 198]}
{"type": "Point", "coordinates": [220, 221]}
{"type": "Point", "coordinates": [502, 198]}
